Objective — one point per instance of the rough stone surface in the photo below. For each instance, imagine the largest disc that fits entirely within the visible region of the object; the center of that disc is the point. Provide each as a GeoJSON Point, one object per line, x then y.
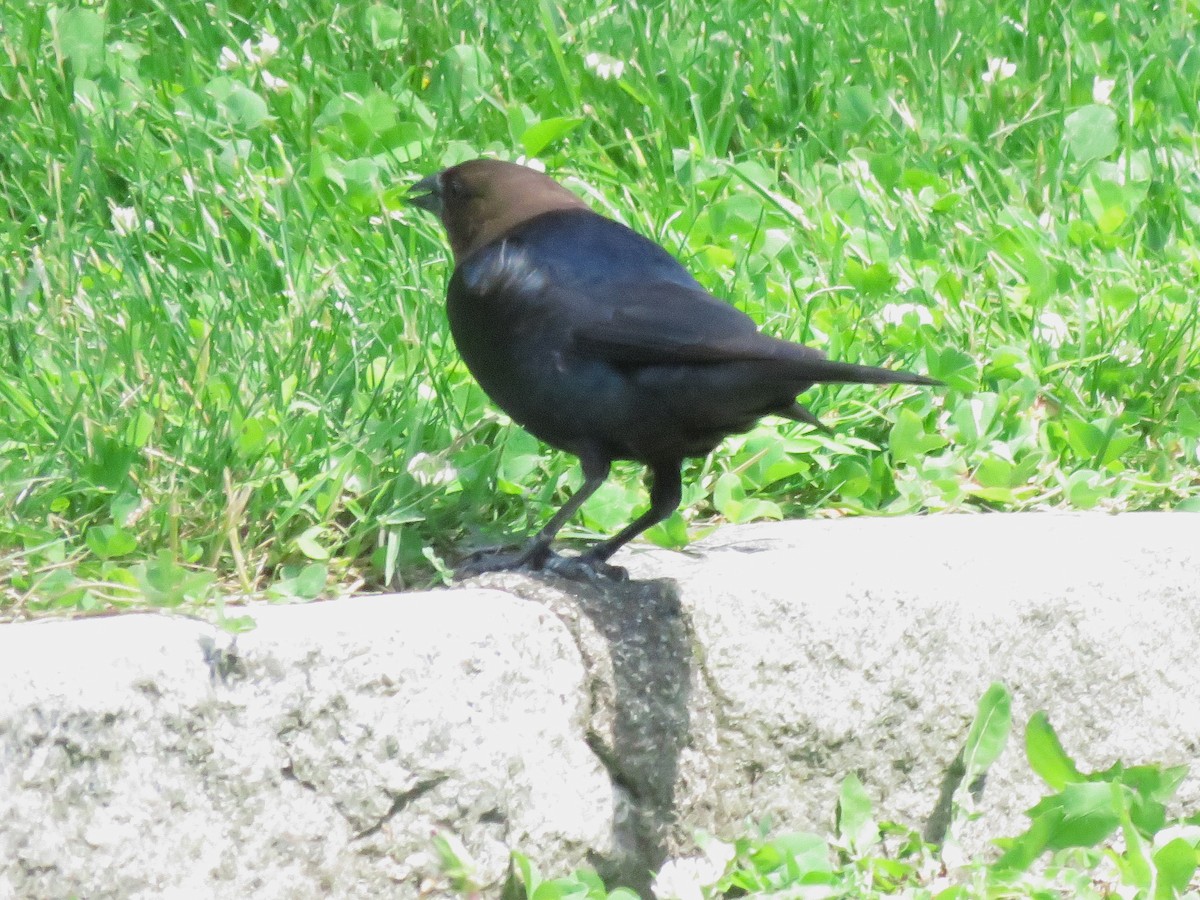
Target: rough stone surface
{"type": "Point", "coordinates": [864, 646]}
{"type": "Point", "coordinates": [315, 759]}
{"type": "Point", "coordinates": [142, 756]}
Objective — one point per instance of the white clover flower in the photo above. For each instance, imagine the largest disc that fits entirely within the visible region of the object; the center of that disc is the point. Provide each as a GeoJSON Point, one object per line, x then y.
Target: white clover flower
{"type": "Point", "coordinates": [257, 54]}
{"type": "Point", "coordinates": [1051, 328]}
{"type": "Point", "coordinates": [532, 162]}
{"type": "Point", "coordinates": [427, 469]}
{"type": "Point", "coordinates": [125, 219]}
{"type": "Point", "coordinates": [999, 69]}
{"type": "Point", "coordinates": [228, 59]}
{"type": "Point", "coordinates": [1128, 353]}
{"type": "Point", "coordinates": [268, 46]}
{"type": "Point", "coordinates": [894, 313]}
{"type": "Point", "coordinates": [686, 878]}
{"type": "Point", "coordinates": [604, 66]}
{"type": "Point", "coordinates": [1102, 89]}
{"type": "Point", "coordinates": [271, 83]}
{"type": "Point", "coordinates": [682, 879]}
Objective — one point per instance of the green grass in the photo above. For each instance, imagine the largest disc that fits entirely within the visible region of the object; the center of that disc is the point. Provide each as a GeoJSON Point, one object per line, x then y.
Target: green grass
{"type": "Point", "coordinates": [224, 365]}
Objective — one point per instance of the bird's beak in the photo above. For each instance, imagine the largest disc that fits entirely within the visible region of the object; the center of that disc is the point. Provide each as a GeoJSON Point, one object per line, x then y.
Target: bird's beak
{"type": "Point", "coordinates": [427, 194]}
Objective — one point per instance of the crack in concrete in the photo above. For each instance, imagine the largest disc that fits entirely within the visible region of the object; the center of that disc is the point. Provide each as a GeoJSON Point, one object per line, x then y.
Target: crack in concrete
{"type": "Point", "coordinates": [400, 802]}
{"type": "Point", "coordinates": [289, 774]}
{"type": "Point", "coordinates": [606, 758]}
{"type": "Point", "coordinates": [635, 645]}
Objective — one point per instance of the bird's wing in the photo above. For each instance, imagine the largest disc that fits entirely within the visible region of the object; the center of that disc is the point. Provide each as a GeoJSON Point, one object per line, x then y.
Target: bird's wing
{"type": "Point", "coordinates": [620, 297]}
{"type": "Point", "coordinates": [663, 323]}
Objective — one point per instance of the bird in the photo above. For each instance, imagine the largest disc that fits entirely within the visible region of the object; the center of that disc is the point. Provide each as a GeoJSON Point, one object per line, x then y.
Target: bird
{"type": "Point", "coordinates": [601, 344]}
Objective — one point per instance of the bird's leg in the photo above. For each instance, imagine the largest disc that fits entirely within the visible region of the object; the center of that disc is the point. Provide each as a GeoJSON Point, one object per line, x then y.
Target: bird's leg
{"type": "Point", "coordinates": [536, 554]}
{"type": "Point", "coordinates": [537, 551]}
{"type": "Point", "coordinates": [666, 491]}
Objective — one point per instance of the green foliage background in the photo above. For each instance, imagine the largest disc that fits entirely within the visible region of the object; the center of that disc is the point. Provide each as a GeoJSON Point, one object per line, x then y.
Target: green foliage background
{"type": "Point", "coordinates": [223, 358]}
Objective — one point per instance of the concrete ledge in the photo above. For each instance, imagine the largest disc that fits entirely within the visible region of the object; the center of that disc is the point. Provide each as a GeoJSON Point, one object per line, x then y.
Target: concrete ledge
{"type": "Point", "coordinates": [146, 756]}
{"type": "Point", "coordinates": [316, 759]}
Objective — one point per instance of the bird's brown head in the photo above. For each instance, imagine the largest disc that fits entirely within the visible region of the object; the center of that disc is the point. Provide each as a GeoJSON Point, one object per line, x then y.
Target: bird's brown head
{"type": "Point", "coordinates": [481, 200]}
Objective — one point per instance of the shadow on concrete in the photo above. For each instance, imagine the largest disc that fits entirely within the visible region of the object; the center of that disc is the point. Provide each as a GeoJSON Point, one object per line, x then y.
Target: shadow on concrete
{"type": "Point", "coordinates": [638, 650]}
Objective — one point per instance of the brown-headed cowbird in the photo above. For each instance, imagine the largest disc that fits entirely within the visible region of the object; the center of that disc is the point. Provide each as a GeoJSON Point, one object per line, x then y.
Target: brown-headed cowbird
{"type": "Point", "coordinates": [600, 343]}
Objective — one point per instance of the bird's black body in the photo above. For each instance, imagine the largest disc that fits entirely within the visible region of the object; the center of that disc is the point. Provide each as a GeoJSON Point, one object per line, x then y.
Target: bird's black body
{"type": "Point", "coordinates": [600, 343]}
{"type": "Point", "coordinates": [605, 362]}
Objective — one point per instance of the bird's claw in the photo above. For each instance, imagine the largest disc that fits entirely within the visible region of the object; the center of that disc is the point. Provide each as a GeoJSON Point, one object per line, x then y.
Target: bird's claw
{"type": "Point", "coordinates": [497, 559]}
{"type": "Point", "coordinates": [576, 568]}
{"type": "Point", "coordinates": [584, 568]}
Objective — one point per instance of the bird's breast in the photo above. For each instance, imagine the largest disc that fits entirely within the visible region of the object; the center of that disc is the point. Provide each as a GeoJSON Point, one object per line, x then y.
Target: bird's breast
{"type": "Point", "coordinates": [517, 345]}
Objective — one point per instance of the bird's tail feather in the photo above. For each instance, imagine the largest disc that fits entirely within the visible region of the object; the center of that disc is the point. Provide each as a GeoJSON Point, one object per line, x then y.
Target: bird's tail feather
{"type": "Point", "coordinates": [828, 371]}
{"type": "Point", "coordinates": [811, 371]}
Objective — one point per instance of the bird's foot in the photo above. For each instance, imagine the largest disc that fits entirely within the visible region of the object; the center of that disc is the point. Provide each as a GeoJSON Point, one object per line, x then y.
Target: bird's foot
{"type": "Point", "coordinates": [584, 568]}
{"type": "Point", "coordinates": [502, 559]}
{"type": "Point", "coordinates": [536, 559]}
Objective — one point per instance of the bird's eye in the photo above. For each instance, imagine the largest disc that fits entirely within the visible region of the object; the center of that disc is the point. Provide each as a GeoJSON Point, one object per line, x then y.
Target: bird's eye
{"type": "Point", "coordinates": [454, 187]}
